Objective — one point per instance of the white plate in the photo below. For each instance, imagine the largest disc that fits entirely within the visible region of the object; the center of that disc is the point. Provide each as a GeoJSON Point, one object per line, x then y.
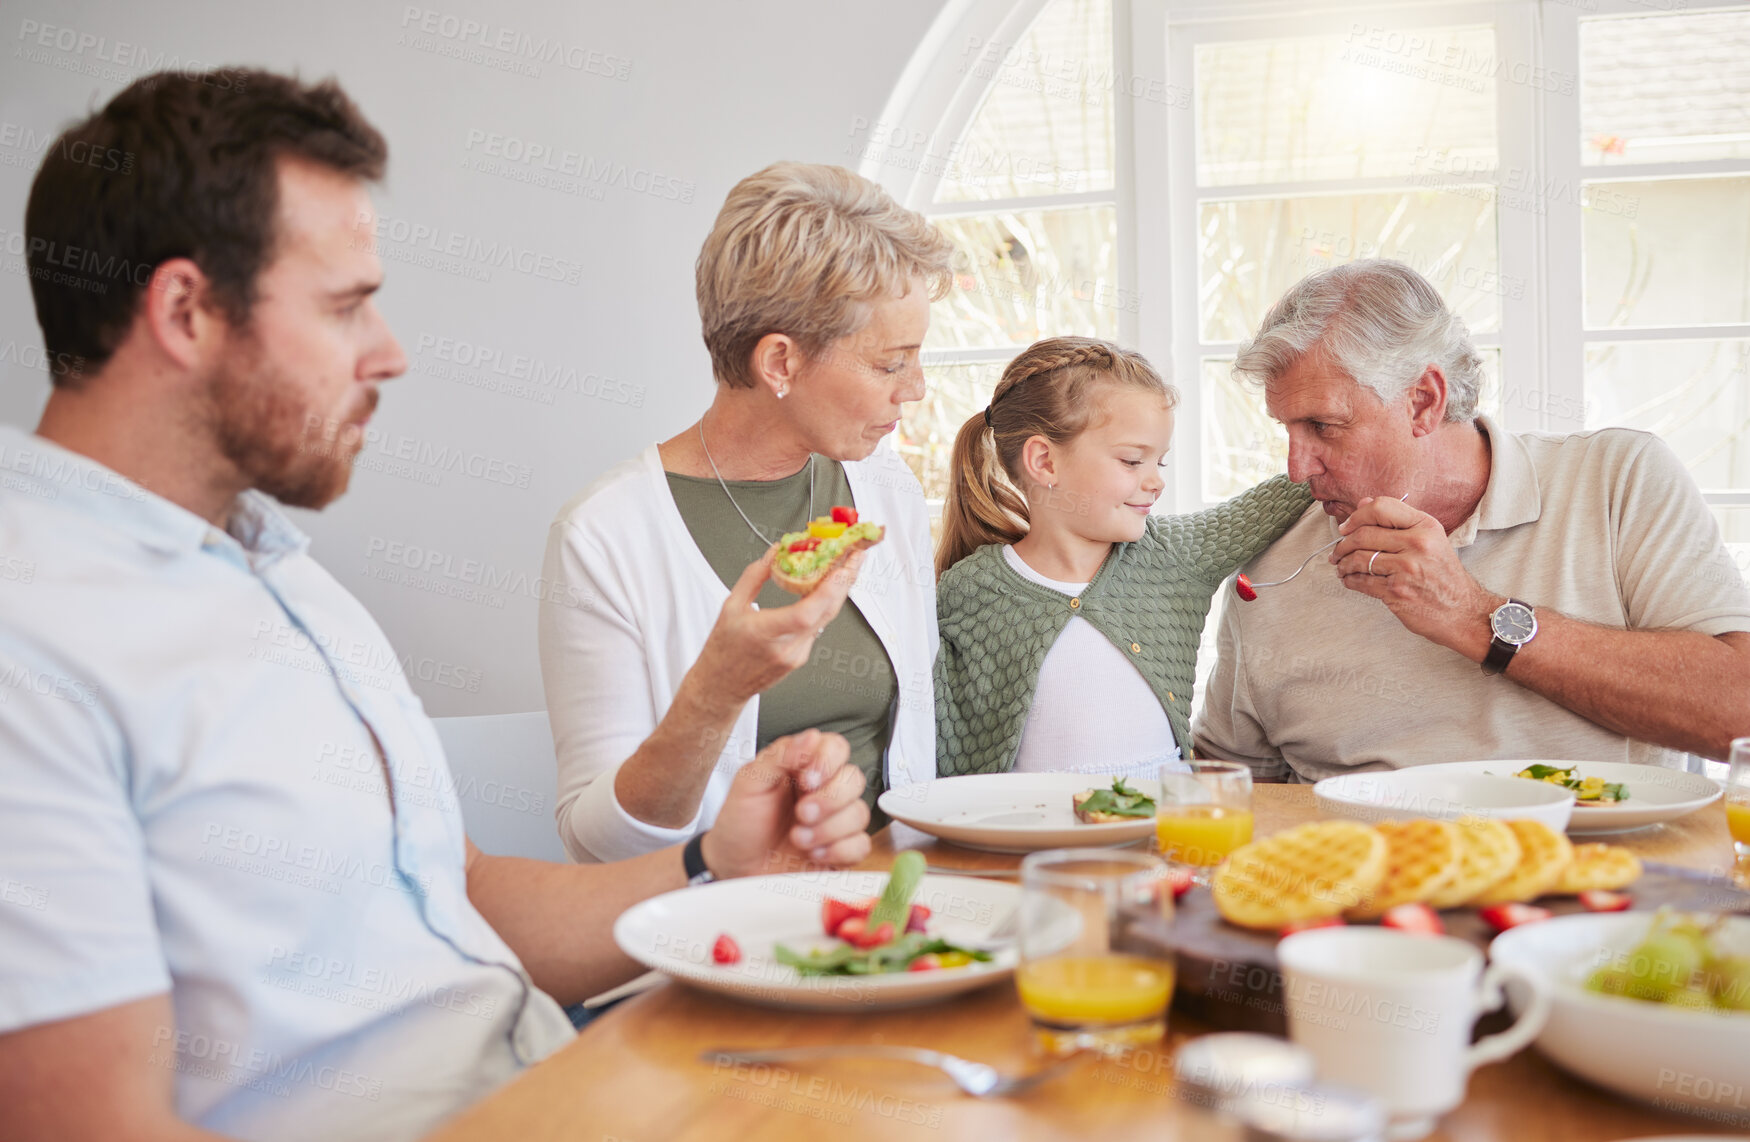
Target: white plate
{"type": "Point", "coordinates": [1655, 795]}
{"type": "Point", "coordinates": [1012, 812]}
{"type": "Point", "coordinates": [1675, 1059]}
{"type": "Point", "coordinates": [1446, 792]}
{"type": "Point", "coordinates": [673, 934]}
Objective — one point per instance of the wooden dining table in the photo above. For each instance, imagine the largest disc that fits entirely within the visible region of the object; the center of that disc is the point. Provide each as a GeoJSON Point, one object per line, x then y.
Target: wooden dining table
{"type": "Point", "coordinates": [635, 1074]}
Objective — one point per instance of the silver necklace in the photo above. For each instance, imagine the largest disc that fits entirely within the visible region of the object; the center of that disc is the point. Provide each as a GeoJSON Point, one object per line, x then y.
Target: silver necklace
{"type": "Point", "coordinates": [768, 541]}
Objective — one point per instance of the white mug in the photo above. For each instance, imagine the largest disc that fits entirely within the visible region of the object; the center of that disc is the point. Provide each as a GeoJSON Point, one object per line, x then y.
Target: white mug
{"type": "Point", "coordinates": [1391, 1013]}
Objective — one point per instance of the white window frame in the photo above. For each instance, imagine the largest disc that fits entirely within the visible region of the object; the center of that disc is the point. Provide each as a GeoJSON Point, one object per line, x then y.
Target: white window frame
{"type": "Point", "coordinates": [1523, 369]}
{"type": "Point", "coordinates": [1570, 336]}
{"type": "Point", "coordinates": [1541, 339]}
{"type": "Point", "coordinates": [937, 77]}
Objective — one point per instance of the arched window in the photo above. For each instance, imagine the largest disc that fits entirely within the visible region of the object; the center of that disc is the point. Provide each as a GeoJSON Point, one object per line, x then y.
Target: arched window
{"type": "Point", "coordinates": [1023, 174]}
{"type": "Point", "coordinates": [1574, 175]}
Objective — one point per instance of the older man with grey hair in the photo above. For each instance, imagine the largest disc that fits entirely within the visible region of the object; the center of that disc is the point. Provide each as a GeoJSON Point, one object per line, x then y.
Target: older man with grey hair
{"type": "Point", "coordinates": [1495, 594]}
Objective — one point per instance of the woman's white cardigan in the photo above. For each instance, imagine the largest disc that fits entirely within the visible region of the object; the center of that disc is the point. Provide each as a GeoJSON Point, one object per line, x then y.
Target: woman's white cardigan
{"type": "Point", "coordinates": [629, 603]}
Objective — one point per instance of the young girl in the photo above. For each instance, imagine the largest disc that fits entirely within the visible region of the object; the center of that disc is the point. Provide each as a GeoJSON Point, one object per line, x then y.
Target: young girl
{"type": "Point", "coordinates": [1070, 616]}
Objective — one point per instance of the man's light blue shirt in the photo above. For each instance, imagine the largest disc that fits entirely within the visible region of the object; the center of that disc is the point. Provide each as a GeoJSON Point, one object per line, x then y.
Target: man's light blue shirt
{"type": "Point", "coordinates": [194, 728]}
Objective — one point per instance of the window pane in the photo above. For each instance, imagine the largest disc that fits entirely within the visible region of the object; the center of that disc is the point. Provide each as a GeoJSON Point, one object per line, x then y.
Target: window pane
{"type": "Point", "coordinates": [1029, 274]}
{"type": "Point", "coordinates": [1657, 89]}
{"type": "Point", "coordinates": [1046, 124]}
{"type": "Point", "coordinates": [1668, 252]}
{"type": "Point", "coordinates": [1694, 394]}
{"type": "Point", "coordinates": [1243, 445]}
{"type": "Point", "coordinates": [1373, 103]}
{"type": "Point", "coordinates": [1254, 249]}
{"type": "Point", "coordinates": [928, 427]}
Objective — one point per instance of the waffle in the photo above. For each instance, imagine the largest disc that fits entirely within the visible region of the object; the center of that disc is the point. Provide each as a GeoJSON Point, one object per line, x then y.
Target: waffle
{"type": "Point", "coordinates": [1543, 856]}
{"type": "Point", "coordinates": [1597, 867]}
{"type": "Point", "coordinates": [1422, 857]}
{"type": "Point", "coordinates": [1303, 873]}
{"type": "Point", "coordinates": [1488, 851]}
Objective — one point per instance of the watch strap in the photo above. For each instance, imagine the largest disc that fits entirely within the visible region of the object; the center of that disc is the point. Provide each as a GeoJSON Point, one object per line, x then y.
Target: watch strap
{"type": "Point", "coordinates": [1501, 651]}
{"type": "Point", "coordinates": [693, 861]}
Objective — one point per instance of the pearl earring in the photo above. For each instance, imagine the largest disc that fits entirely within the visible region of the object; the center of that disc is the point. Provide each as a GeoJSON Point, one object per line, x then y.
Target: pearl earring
{"type": "Point", "coordinates": [782, 393]}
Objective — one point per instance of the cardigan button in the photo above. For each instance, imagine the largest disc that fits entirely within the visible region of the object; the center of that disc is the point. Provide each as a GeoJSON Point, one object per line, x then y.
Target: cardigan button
{"type": "Point", "coordinates": [1075, 604]}
{"type": "Point", "coordinates": [1170, 697]}
{"type": "Point", "coordinates": [1135, 649]}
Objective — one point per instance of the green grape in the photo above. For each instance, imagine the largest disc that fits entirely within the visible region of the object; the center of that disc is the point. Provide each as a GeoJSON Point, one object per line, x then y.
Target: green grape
{"type": "Point", "coordinates": [1730, 979]}
{"type": "Point", "coordinates": [1679, 965]}
{"type": "Point", "coordinates": [1665, 961]}
{"type": "Point", "coordinates": [1617, 981]}
{"type": "Point", "coordinates": [1688, 929]}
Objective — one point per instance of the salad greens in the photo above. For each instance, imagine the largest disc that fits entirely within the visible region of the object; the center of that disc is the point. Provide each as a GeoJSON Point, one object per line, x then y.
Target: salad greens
{"type": "Point", "coordinates": [902, 884]}
{"type": "Point", "coordinates": [1595, 790]}
{"type": "Point", "coordinates": [896, 955]}
{"type": "Point", "coordinates": [1120, 800]}
{"type": "Point", "coordinates": [868, 953]}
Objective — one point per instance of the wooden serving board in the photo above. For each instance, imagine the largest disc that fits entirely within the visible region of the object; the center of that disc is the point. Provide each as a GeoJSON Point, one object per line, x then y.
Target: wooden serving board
{"type": "Point", "coordinates": [1227, 976]}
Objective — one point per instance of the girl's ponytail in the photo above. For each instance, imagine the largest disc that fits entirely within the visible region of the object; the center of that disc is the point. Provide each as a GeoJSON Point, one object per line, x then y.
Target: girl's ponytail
{"type": "Point", "coordinates": [982, 505]}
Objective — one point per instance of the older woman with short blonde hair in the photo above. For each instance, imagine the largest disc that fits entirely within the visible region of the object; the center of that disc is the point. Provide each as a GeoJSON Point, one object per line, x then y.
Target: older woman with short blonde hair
{"type": "Point", "coordinates": [677, 658]}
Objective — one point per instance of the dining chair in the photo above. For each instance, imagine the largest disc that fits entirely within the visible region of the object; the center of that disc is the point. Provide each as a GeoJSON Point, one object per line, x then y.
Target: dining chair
{"type": "Point", "coordinates": [506, 781]}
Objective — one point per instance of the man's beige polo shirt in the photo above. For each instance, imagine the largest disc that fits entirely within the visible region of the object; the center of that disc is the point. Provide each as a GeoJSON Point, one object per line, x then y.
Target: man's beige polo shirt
{"type": "Point", "coordinates": [1603, 526]}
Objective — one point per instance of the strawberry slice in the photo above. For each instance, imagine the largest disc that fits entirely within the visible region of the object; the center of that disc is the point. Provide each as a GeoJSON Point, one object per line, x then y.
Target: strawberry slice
{"type": "Point", "coordinates": [1181, 880]}
{"type": "Point", "coordinates": [1243, 587]}
{"type": "Point", "coordinates": [1315, 922]}
{"type": "Point", "coordinates": [725, 950]}
{"type": "Point", "coordinates": [926, 962]}
{"type": "Point", "coordinates": [834, 913]}
{"type": "Point", "coordinates": [1417, 919]}
{"type": "Point", "coordinates": [855, 932]}
{"type": "Point", "coordinates": [1602, 900]}
{"type": "Point", "coordinates": [844, 515]}
{"type": "Point", "coordinates": [808, 544]}
{"type": "Point", "coordinates": [1501, 917]}
{"type": "Point", "coordinates": [920, 916]}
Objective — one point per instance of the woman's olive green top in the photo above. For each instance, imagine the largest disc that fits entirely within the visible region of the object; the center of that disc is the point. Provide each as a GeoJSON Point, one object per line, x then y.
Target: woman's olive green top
{"type": "Point", "coordinates": [848, 685]}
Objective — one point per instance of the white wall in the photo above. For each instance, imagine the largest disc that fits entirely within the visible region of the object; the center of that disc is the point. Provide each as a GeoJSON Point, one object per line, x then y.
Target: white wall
{"type": "Point", "coordinates": [707, 92]}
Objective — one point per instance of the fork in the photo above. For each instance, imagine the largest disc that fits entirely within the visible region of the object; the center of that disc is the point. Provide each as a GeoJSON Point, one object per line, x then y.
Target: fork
{"type": "Point", "coordinates": [1254, 586]}
{"type": "Point", "coordinates": [977, 1079]}
{"type": "Point", "coordinates": [1000, 936]}
{"type": "Point", "coordinates": [999, 873]}
{"type": "Point", "coordinates": [1302, 566]}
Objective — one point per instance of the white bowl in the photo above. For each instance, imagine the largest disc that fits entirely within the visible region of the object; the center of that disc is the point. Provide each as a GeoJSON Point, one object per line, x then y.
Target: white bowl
{"type": "Point", "coordinates": [1443, 793]}
{"type": "Point", "coordinates": [1675, 1059]}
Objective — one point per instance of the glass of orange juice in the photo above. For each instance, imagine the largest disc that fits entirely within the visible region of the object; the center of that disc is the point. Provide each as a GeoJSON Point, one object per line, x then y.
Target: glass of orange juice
{"type": "Point", "coordinates": [1096, 968]}
{"type": "Point", "coordinates": [1203, 815]}
{"type": "Point", "coordinates": [1738, 797]}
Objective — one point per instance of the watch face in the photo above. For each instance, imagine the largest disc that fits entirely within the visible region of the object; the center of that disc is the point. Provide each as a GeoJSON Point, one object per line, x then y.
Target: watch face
{"type": "Point", "coordinates": [1514, 623]}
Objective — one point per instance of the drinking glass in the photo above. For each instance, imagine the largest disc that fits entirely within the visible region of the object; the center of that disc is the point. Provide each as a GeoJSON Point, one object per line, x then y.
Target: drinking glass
{"type": "Point", "coordinates": [1738, 798]}
{"type": "Point", "coordinates": [1096, 969]}
{"type": "Point", "coordinates": [1204, 815]}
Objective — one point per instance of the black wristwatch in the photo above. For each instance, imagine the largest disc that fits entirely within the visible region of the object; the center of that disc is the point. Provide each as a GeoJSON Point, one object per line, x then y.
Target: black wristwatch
{"type": "Point", "coordinates": [693, 860]}
{"type": "Point", "coordinates": [1514, 624]}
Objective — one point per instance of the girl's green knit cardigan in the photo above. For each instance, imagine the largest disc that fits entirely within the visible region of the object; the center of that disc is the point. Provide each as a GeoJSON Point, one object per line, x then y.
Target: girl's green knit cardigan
{"type": "Point", "coordinates": [1150, 598]}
